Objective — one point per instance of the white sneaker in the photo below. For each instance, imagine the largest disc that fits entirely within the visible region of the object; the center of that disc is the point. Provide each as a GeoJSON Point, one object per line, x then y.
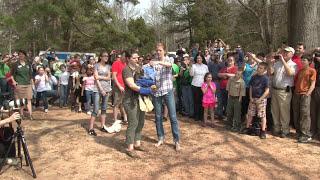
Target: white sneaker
{"type": "Point", "coordinates": [89, 112]}
{"type": "Point", "coordinates": [46, 110]}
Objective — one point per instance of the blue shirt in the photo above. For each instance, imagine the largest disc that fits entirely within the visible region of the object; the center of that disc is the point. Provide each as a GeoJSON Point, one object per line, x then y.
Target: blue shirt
{"type": "Point", "coordinates": [248, 72]}
{"type": "Point", "coordinates": [149, 72]}
{"type": "Point", "coordinates": [214, 69]}
{"type": "Point", "coordinates": [259, 84]}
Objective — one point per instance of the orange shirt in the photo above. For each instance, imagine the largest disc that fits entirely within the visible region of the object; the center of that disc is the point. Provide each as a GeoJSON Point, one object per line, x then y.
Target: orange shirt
{"type": "Point", "coordinates": [304, 79]}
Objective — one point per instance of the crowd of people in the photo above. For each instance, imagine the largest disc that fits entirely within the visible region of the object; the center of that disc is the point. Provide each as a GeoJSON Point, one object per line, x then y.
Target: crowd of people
{"type": "Point", "coordinates": [250, 93]}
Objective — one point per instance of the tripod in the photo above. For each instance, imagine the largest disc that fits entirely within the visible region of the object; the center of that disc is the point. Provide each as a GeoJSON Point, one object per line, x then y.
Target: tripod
{"type": "Point", "coordinates": [19, 134]}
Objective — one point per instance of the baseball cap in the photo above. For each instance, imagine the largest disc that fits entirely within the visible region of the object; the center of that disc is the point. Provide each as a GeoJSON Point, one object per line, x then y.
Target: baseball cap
{"type": "Point", "coordinates": [289, 49]}
{"type": "Point", "coordinates": [186, 55]}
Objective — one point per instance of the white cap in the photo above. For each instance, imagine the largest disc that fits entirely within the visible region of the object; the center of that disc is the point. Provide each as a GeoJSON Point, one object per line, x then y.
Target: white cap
{"type": "Point", "coordinates": [289, 49]}
{"type": "Point", "coordinates": [186, 55]}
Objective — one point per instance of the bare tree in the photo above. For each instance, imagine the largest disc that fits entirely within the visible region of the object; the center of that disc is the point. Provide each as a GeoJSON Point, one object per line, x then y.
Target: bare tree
{"type": "Point", "coordinates": [264, 21]}
{"type": "Point", "coordinates": [154, 18]}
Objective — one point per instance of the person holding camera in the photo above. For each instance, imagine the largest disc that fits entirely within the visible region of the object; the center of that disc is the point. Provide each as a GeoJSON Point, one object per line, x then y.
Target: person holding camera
{"type": "Point", "coordinates": [15, 116]}
{"type": "Point", "coordinates": [186, 90]}
{"type": "Point", "coordinates": [284, 71]}
{"type": "Point", "coordinates": [51, 87]}
{"type": "Point", "coordinates": [21, 75]}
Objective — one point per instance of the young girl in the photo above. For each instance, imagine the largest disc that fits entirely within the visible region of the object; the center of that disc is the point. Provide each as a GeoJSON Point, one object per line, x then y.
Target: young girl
{"type": "Point", "coordinates": [208, 101]}
{"type": "Point", "coordinates": [40, 82]}
{"type": "Point", "coordinates": [88, 88]}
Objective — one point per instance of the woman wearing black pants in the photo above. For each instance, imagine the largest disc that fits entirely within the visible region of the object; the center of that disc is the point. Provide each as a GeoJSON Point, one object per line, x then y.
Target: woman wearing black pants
{"type": "Point", "coordinates": [198, 109]}
{"type": "Point", "coordinates": [197, 72]}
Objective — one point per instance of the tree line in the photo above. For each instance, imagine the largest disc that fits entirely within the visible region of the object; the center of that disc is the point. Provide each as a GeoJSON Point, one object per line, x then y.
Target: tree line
{"type": "Point", "coordinates": [92, 25]}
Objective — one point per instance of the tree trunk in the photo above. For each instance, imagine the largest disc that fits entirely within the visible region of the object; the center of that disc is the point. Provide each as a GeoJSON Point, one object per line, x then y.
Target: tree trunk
{"type": "Point", "coordinates": [303, 22]}
{"type": "Point", "coordinates": [70, 38]}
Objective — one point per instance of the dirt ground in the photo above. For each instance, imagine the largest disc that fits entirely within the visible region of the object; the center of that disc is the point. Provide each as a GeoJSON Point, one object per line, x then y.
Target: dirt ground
{"type": "Point", "coordinates": [61, 149]}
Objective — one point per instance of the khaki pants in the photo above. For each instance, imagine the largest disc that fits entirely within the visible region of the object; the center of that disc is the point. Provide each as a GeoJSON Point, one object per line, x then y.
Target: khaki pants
{"type": "Point", "coordinates": [280, 109]}
{"type": "Point", "coordinates": [301, 113]}
{"type": "Point", "coordinates": [315, 111]}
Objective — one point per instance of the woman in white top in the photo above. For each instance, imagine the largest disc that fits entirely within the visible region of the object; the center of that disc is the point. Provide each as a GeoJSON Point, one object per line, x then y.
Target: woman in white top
{"type": "Point", "coordinates": [197, 72]}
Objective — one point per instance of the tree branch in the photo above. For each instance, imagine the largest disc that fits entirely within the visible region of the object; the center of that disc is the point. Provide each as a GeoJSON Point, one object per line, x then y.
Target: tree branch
{"type": "Point", "coordinates": [100, 11]}
{"type": "Point", "coordinates": [75, 25]}
{"type": "Point", "coordinates": [249, 9]}
{"type": "Point", "coordinates": [248, 33]}
{"type": "Point", "coordinates": [83, 33]}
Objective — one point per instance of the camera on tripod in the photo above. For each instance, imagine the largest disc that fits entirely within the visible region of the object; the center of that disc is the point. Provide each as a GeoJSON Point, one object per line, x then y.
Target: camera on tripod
{"type": "Point", "coordinates": [10, 105]}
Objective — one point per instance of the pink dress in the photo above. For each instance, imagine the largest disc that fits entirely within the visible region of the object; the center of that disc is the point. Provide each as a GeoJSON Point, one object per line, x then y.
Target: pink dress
{"type": "Point", "coordinates": [209, 98]}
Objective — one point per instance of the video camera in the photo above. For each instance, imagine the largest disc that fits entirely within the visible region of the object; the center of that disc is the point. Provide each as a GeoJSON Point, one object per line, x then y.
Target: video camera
{"type": "Point", "coordinates": [10, 103]}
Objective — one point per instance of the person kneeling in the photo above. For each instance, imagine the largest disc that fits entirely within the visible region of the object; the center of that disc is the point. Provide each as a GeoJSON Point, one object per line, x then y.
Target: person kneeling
{"type": "Point", "coordinates": [259, 91]}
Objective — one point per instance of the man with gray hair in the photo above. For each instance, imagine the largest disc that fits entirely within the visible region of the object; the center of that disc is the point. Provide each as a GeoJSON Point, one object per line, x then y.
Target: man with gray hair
{"type": "Point", "coordinates": [284, 71]}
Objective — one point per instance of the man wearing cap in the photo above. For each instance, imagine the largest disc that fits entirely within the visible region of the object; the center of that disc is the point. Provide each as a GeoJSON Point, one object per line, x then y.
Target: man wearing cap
{"type": "Point", "coordinates": [283, 71]}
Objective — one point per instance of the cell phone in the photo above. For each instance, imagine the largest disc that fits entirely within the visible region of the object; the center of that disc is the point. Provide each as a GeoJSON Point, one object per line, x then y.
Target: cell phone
{"type": "Point", "coordinates": [276, 57]}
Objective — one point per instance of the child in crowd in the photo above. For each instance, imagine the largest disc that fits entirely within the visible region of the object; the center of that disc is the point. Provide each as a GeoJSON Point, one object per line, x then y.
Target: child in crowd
{"type": "Point", "coordinates": [81, 98]}
{"type": "Point", "coordinates": [259, 90]}
{"type": "Point", "coordinates": [63, 86]}
{"type": "Point", "coordinates": [236, 90]}
{"type": "Point", "coordinates": [74, 82]}
{"type": "Point", "coordinates": [88, 88]}
{"type": "Point", "coordinates": [304, 85]}
{"type": "Point", "coordinates": [40, 83]}
{"type": "Point", "coordinates": [208, 100]}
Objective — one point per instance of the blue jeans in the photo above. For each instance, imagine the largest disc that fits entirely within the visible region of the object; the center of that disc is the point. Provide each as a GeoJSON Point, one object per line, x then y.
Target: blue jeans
{"type": "Point", "coordinates": [43, 96]}
{"type": "Point", "coordinates": [187, 100]}
{"type": "Point", "coordinates": [96, 102]}
{"type": "Point", "coordinates": [169, 101]}
{"type": "Point", "coordinates": [53, 95]}
{"type": "Point", "coordinates": [90, 95]}
{"type": "Point", "coordinates": [63, 95]}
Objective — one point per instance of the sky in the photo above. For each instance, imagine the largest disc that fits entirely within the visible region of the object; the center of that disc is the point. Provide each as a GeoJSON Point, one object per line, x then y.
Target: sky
{"type": "Point", "coordinates": [143, 5]}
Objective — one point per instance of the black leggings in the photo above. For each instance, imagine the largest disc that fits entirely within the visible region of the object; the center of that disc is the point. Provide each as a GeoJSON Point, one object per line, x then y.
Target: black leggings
{"type": "Point", "coordinates": [198, 109]}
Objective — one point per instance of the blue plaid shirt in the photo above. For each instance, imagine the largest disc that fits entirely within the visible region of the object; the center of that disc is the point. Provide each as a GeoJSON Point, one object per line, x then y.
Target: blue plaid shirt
{"type": "Point", "coordinates": [163, 78]}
